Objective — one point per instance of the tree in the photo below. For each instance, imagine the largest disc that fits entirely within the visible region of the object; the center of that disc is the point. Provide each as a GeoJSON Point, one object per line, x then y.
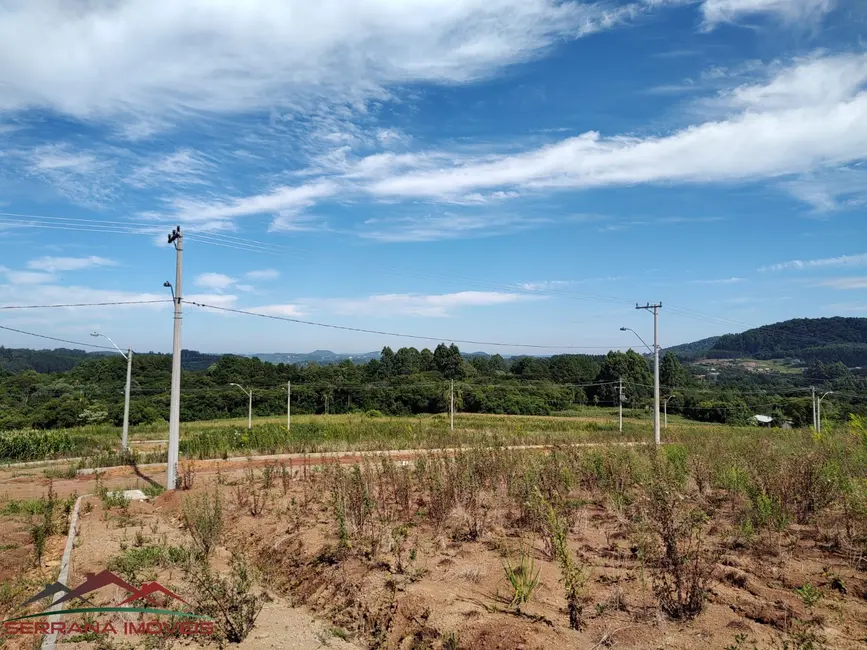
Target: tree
{"type": "Point", "coordinates": [407, 361]}
{"type": "Point", "coordinates": [448, 361]}
{"type": "Point", "coordinates": [530, 368]}
{"type": "Point", "coordinates": [671, 373]}
{"type": "Point", "coordinates": [633, 369]}
{"type": "Point", "coordinates": [386, 358]}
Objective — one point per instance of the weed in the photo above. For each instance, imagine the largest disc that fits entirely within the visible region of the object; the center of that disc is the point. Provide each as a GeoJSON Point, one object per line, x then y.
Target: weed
{"type": "Point", "coordinates": [67, 472]}
{"type": "Point", "coordinates": [683, 571]}
{"type": "Point", "coordinates": [132, 561]}
{"type": "Point", "coordinates": [451, 641]}
{"type": "Point", "coordinates": [203, 518]}
{"type": "Point", "coordinates": [153, 490]}
{"type": "Point", "coordinates": [572, 575]}
{"type": "Point", "coordinates": [230, 600]}
{"type": "Point", "coordinates": [523, 578]}
{"type": "Point", "coordinates": [809, 593]}
{"type": "Point", "coordinates": [185, 477]}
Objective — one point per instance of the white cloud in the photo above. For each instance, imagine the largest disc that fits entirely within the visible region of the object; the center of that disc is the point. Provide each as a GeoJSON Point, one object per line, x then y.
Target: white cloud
{"type": "Point", "coordinates": [181, 167]}
{"type": "Point", "coordinates": [214, 281]}
{"type": "Point", "coordinates": [56, 264]}
{"type": "Point", "coordinates": [284, 202]}
{"type": "Point", "coordinates": [445, 226]}
{"type": "Point", "coordinates": [829, 190]}
{"type": "Point", "coordinates": [287, 310]}
{"type": "Point", "coordinates": [786, 127]}
{"type": "Point", "coordinates": [262, 274]}
{"type": "Point", "coordinates": [436, 305]}
{"type": "Point", "coordinates": [809, 81]}
{"type": "Point", "coordinates": [151, 60]}
{"type": "Point", "coordinates": [215, 299]}
{"type": "Point", "coordinates": [29, 277]}
{"type": "Point", "coordinates": [543, 285]}
{"type": "Point", "coordinates": [82, 177]}
{"type": "Point", "coordinates": [721, 281]}
{"type": "Point", "coordinates": [827, 262]}
{"type": "Point", "coordinates": [791, 11]}
{"type": "Point", "coordinates": [844, 283]}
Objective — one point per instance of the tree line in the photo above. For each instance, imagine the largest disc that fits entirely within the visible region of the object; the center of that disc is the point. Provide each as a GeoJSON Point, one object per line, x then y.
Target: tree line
{"type": "Point", "coordinates": [410, 381]}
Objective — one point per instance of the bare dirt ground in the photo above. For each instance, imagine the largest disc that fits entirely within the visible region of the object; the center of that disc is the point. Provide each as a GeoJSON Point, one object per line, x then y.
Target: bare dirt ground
{"type": "Point", "coordinates": [417, 585]}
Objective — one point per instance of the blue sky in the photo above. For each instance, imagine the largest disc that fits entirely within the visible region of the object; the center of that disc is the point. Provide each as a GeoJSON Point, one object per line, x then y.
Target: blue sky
{"type": "Point", "coordinates": [517, 171]}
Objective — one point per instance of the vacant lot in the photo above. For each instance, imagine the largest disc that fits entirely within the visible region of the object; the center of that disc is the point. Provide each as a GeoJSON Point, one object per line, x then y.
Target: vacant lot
{"type": "Point", "coordinates": [727, 538]}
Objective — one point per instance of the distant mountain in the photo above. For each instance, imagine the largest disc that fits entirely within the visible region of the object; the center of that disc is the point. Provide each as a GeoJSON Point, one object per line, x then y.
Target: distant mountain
{"type": "Point", "coordinates": [321, 357]}
{"type": "Point", "coordinates": [807, 339]}
{"type": "Point", "coordinates": [695, 349]}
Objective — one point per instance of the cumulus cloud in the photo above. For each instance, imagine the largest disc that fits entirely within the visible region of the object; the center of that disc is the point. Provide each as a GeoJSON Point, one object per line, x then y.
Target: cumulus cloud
{"type": "Point", "coordinates": [56, 264]}
{"type": "Point", "coordinates": [825, 262]}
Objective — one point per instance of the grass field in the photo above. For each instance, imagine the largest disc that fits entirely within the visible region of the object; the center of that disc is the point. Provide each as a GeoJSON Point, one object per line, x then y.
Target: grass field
{"type": "Point", "coordinates": [99, 445]}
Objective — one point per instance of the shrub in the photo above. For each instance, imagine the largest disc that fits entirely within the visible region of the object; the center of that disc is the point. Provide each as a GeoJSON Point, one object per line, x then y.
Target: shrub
{"type": "Point", "coordinates": [229, 600]}
{"type": "Point", "coordinates": [572, 575]}
{"type": "Point", "coordinates": [683, 569]}
{"type": "Point", "coordinates": [203, 517]}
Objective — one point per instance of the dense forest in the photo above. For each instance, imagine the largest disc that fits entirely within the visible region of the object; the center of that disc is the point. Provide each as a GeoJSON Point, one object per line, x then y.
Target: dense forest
{"type": "Point", "coordinates": [808, 339]}
{"type": "Point", "coordinates": [405, 382]}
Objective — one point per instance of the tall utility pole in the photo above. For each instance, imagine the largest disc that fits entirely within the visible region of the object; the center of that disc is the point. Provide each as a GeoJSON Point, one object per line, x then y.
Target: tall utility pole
{"type": "Point", "coordinates": [288, 405]}
{"type": "Point", "coordinates": [124, 441]}
{"type": "Point", "coordinates": [620, 400]}
{"type": "Point", "coordinates": [326, 403]}
{"type": "Point", "coordinates": [452, 405]}
{"type": "Point", "coordinates": [815, 420]}
{"type": "Point", "coordinates": [177, 239]}
{"type": "Point", "coordinates": [655, 309]}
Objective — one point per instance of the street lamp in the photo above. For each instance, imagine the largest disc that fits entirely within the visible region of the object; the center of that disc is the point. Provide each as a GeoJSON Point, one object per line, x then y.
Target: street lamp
{"type": "Point", "coordinates": [655, 351]}
{"type": "Point", "coordinates": [629, 329]}
{"type": "Point", "coordinates": [124, 442]}
{"type": "Point", "coordinates": [665, 408]}
{"type": "Point", "coordinates": [819, 411]}
{"type": "Point", "coordinates": [250, 408]}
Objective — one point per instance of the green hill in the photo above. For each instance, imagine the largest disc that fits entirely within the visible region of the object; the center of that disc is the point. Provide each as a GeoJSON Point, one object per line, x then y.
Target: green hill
{"type": "Point", "coordinates": [809, 339]}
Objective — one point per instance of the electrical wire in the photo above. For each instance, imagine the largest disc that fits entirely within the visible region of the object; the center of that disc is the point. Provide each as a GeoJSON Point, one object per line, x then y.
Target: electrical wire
{"type": "Point", "coordinates": [53, 338]}
{"type": "Point", "coordinates": [395, 334]}
{"type": "Point", "coordinates": [214, 238]}
{"type": "Point", "coordinates": [88, 304]}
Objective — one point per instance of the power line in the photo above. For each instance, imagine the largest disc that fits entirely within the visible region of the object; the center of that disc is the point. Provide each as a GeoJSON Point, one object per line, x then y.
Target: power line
{"type": "Point", "coordinates": [396, 334]}
{"type": "Point", "coordinates": [53, 338]}
{"type": "Point", "coordinates": [149, 228]}
{"type": "Point", "coordinates": [88, 304]}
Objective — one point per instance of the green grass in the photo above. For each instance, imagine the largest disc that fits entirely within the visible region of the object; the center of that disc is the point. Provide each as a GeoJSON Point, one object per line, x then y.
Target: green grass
{"type": "Point", "coordinates": [98, 446]}
{"type": "Point", "coordinates": [23, 507]}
